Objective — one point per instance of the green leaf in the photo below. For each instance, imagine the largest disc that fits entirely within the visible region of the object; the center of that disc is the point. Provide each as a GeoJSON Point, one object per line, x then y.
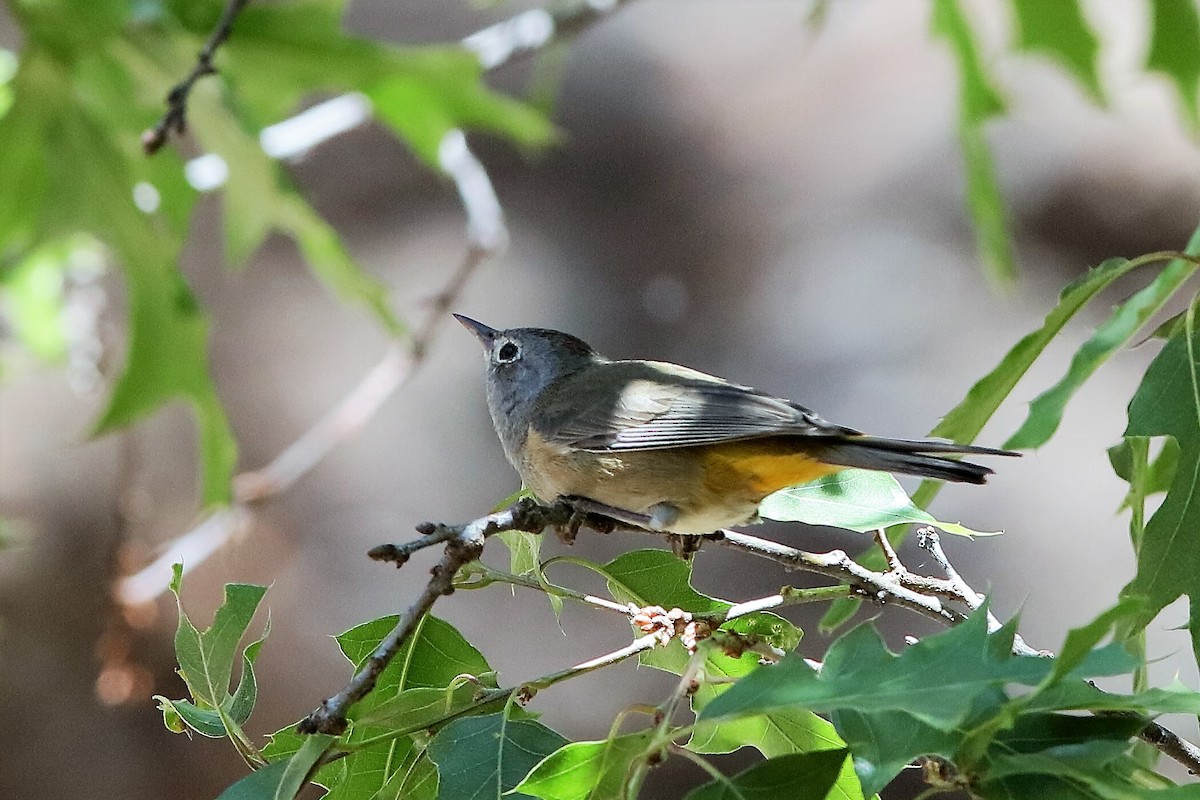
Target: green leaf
{"type": "Point", "coordinates": [180, 715]}
{"type": "Point", "coordinates": [33, 92]}
{"type": "Point", "coordinates": [1186, 792]}
{"type": "Point", "coordinates": [332, 263]}
{"type": "Point", "coordinates": [8, 69]}
{"type": "Point", "coordinates": [280, 780]}
{"type": "Point", "coordinates": [258, 199]}
{"type": "Point", "coordinates": [432, 657]}
{"type": "Point", "coordinates": [979, 100]}
{"type": "Point", "coordinates": [1080, 696]}
{"type": "Point", "coordinates": [365, 773]}
{"type": "Point", "coordinates": [168, 337]}
{"type": "Point", "coordinates": [885, 742]}
{"type": "Point", "coordinates": [419, 708]}
{"type": "Point", "coordinates": [775, 733]}
{"type": "Point", "coordinates": [524, 550]}
{"type": "Point", "coordinates": [1061, 31]}
{"type": "Point", "coordinates": [88, 188]}
{"type": "Point", "coordinates": [857, 499]}
{"type": "Point", "coordinates": [1100, 769]}
{"type": "Point", "coordinates": [282, 53]}
{"type": "Point", "coordinates": [421, 685]}
{"type": "Point", "coordinates": [1081, 642]}
{"type": "Point", "coordinates": [1032, 733]}
{"type": "Point", "coordinates": [209, 721]}
{"type": "Point", "coordinates": [524, 553]}
{"type": "Point", "coordinates": [937, 680]}
{"type": "Point", "coordinates": [416, 779]}
{"type": "Point", "coordinates": [1046, 411]}
{"type": "Point", "coordinates": [32, 295]}
{"type": "Point", "coordinates": [1156, 476]}
{"type": "Point", "coordinates": [801, 776]}
{"type": "Point", "coordinates": [967, 419]}
{"type": "Point", "coordinates": [1167, 403]}
{"type": "Point", "coordinates": [485, 757]}
{"type": "Point", "coordinates": [206, 657]}
{"type": "Point", "coordinates": [587, 770]}
{"type": "Point", "coordinates": [1175, 51]}
{"type": "Point", "coordinates": [241, 705]}
{"type": "Point", "coordinates": [986, 205]}
{"type": "Point", "coordinates": [441, 89]}
{"type": "Point", "coordinates": [658, 577]}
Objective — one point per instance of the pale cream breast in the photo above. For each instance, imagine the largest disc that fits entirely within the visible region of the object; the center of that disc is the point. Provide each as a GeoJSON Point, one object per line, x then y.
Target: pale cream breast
{"type": "Point", "coordinates": [636, 481]}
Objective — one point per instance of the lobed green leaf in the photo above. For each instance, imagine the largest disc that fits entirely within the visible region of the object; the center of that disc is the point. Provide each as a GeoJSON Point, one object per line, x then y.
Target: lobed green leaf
{"type": "Point", "coordinates": [587, 770]}
{"type": "Point", "coordinates": [487, 756]}
{"type": "Point", "coordinates": [1155, 477]}
{"type": "Point", "coordinates": [206, 657]}
{"type": "Point", "coordinates": [658, 577]}
{"type": "Point", "coordinates": [280, 780]}
{"type": "Point", "coordinates": [937, 680]}
{"type": "Point", "coordinates": [856, 499]}
{"type": "Point", "coordinates": [800, 776]}
{"type": "Point", "coordinates": [1167, 403]}
{"type": "Point", "coordinates": [436, 674]}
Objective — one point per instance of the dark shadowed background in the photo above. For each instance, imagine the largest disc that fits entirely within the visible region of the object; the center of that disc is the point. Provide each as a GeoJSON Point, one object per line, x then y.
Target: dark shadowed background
{"type": "Point", "coordinates": [736, 190]}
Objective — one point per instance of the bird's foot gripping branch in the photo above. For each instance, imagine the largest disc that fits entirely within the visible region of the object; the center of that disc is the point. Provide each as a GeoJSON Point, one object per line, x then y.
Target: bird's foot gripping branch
{"type": "Point", "coordinates": [424, 715]}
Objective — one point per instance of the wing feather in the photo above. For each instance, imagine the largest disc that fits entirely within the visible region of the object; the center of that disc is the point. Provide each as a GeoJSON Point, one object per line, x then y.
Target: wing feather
{"type": "Point", "coordinates": [632, 405]}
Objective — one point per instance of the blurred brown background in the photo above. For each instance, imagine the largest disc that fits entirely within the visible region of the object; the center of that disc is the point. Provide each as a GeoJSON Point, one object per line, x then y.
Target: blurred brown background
{"type": "Point", "coordinates": [736, 190]}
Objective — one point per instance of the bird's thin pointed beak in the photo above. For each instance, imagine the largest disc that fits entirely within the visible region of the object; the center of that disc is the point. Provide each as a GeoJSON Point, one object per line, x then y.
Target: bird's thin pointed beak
{"type": "Point", "coordinates": [482, 332]}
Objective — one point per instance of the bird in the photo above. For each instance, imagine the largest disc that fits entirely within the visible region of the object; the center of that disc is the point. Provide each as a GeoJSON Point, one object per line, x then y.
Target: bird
{"type": "Point", "coordinates": [683, 451]}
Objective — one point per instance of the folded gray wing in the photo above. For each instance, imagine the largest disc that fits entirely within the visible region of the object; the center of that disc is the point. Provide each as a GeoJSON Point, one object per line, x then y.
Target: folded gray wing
{"type": "Point", "coordinates": [648, 412]}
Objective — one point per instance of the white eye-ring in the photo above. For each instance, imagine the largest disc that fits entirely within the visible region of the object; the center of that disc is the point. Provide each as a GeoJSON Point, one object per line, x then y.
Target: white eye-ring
{"type": "Point", "coordinates": [508, 353]}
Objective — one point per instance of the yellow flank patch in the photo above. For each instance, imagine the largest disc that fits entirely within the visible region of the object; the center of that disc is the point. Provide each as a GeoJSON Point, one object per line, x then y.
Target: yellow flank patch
{"type": "Point", "coordinates": [760, 466]}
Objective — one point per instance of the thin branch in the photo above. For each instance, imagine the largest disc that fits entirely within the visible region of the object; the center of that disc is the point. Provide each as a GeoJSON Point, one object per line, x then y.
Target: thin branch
{"type": "Point", "coordinates": [889, 553]}
{"type": "Point", "coordinates": [462, 548]}
{"type": "Point", "coordinates": [663, 735]}
{"type": "Point", "coordinates": [639, 645]}
{"type": "Point", "coordinates": [790, 596]}
{"type": "Point", "coordinates": [331, 716]}
{"type": "Point", "coordinates": [487, 576]}
{"type": "Point", "coordinates": [174, 120]}
{"type": "Point", "coordinates": [929, 540]}
{"type": "Point", "coordinates": [525, 691]}
{"type": "Point", "coordinates": [883, 587]}
{"type": "Point", "coordinates": [1172, 745]}
{"type": "Point", "coordinates": [531, 30]}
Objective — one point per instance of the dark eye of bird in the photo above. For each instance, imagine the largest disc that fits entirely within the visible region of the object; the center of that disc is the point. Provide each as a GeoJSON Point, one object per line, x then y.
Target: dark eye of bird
{"type": "Point", "coordinates": [508, 352]}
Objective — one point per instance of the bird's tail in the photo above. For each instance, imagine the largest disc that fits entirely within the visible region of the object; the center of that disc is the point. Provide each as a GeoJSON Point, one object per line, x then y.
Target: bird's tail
{"type": "Point", "coordinates": [925, 459]}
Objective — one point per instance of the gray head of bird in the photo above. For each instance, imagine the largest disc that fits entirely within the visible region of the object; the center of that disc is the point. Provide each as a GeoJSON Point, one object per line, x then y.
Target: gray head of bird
{"type": "Point", "coordinates": [521, 364]}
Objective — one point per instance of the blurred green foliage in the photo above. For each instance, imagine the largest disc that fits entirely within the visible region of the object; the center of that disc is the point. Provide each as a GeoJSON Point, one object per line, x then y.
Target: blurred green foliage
{"type": "Point", "coordinates": [92, 75]}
